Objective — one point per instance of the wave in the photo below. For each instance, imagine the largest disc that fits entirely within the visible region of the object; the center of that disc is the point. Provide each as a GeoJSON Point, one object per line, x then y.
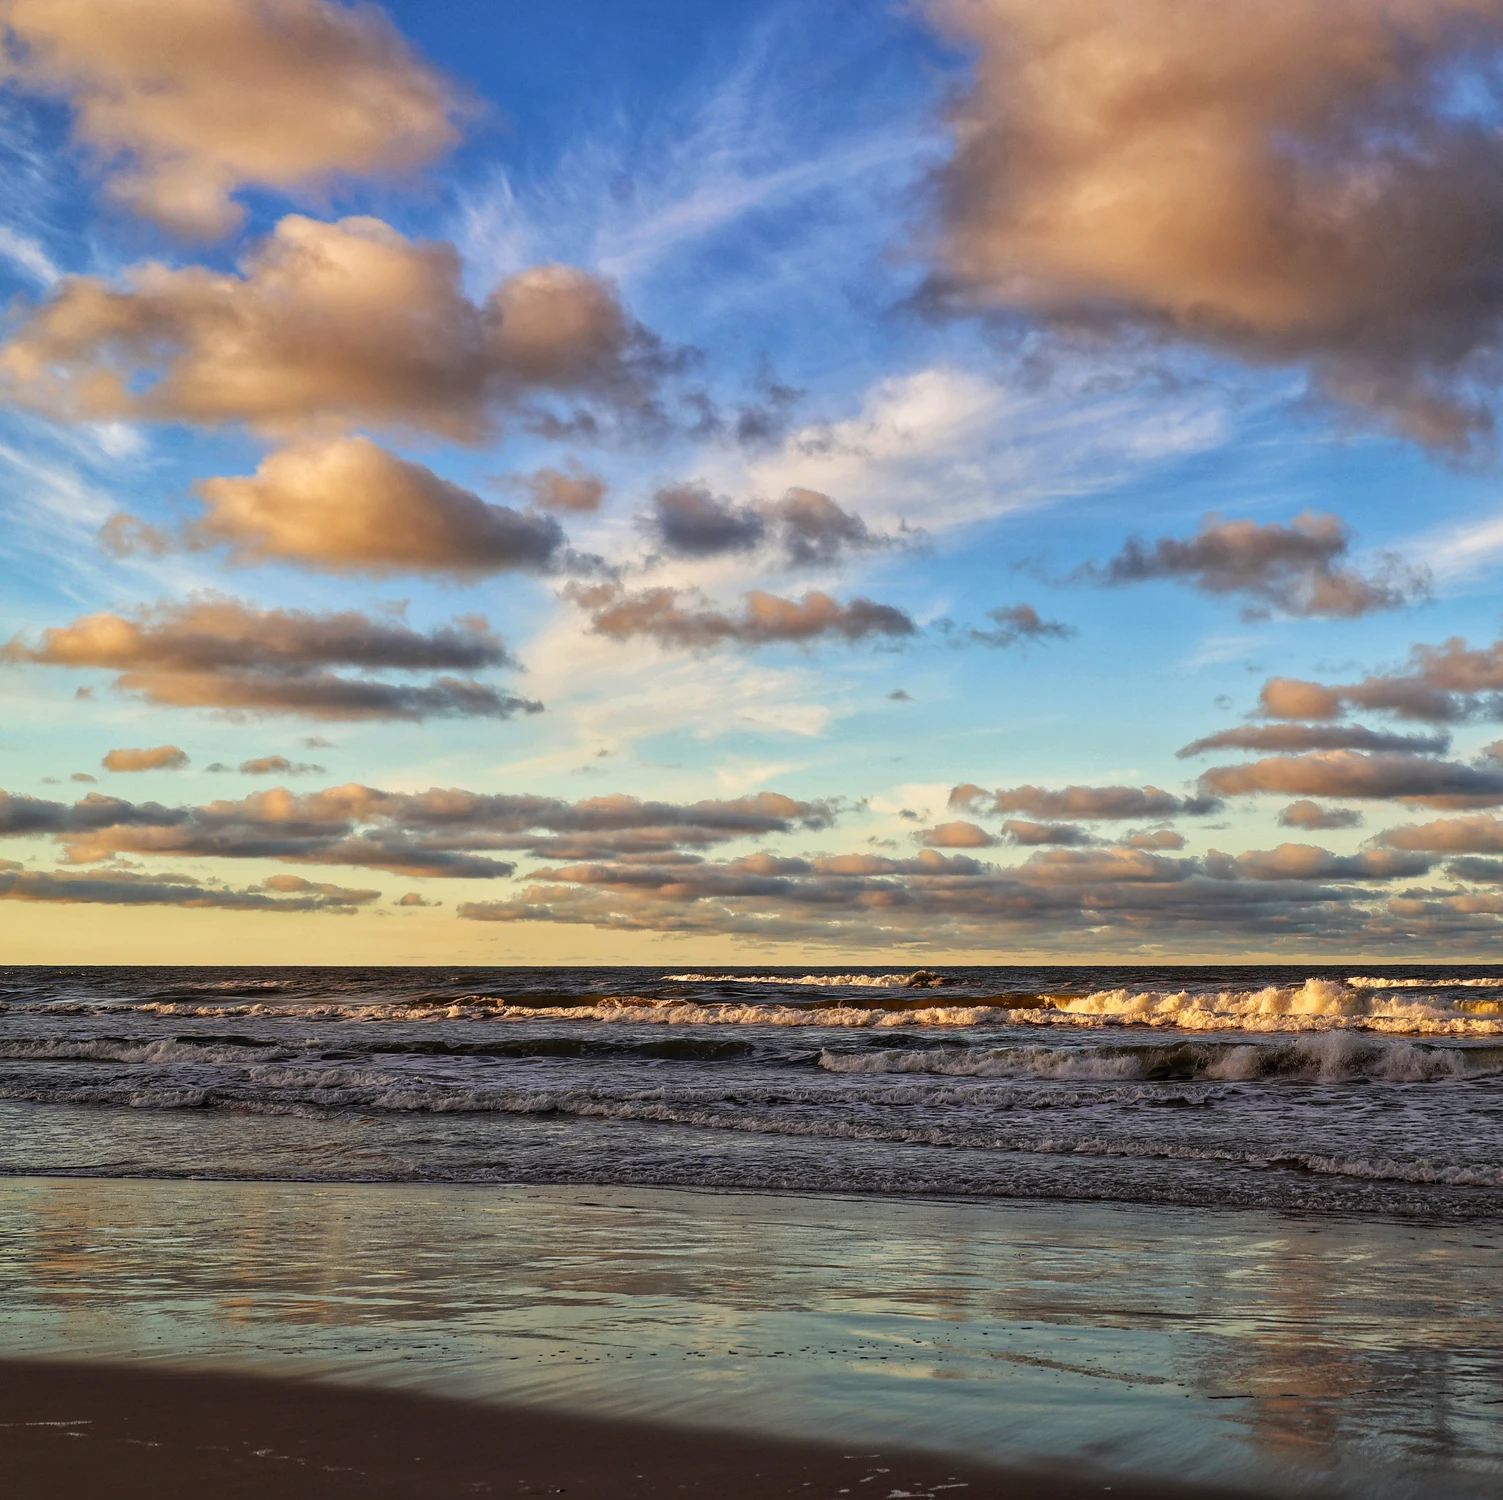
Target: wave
{"type": "Point", "coordinates": [1338, 1056]}
{"type": "Point", "coordinates": [699, 1115]}
{"type": "Point", "coordinates": [919, 979]}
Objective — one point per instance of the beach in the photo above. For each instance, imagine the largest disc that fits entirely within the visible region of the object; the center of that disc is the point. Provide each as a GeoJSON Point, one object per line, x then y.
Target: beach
{"type": "Point", "coordinates": [1237, 1231]}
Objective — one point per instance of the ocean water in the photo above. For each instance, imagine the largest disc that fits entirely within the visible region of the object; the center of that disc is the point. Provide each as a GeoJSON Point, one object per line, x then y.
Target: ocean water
{"type": "Point", "coordinates": [1332, 1091]}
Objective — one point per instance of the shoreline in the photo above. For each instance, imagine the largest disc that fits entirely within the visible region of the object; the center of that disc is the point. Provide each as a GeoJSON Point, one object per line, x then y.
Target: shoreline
{"type": "Point", "coordinates": [74, 1430]}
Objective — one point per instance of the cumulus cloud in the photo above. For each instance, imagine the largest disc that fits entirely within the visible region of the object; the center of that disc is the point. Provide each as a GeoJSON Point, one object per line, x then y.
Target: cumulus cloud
{"type": "Point", "coordinates": [1349, 773]}
{"type": "Point", "coordinates": [1291, 569]}
{"type": "Point", "coordinates": [1444, 684]}
{"type": "Point", "coordinates": [815, 531]}
{"type": "Point", "coordinates": [1020, 624]}
{"type": "Point", "coordinates": [683, 618]}
{"type": "Point", "coordinates": [324, 326]}
{"type": "Point", "coordinates": [556, 489]}
{"type": "Point", "coordinates": [1313, 190]}
{"type": "Point", "coordinates": [1030, 834]}
{"type": "Point", "coordinates": [959, 835]}
{"type": "Point", "coordinates": [1311, 816]}
{"type": "Point", "coordinates": [159, 758]}
{"type": "Point", "coordinates": [126, 888]}
{"type": "Point", "coordinates": [1480, 833]}
{"type": "Point", "coordinates": [1108, 803]}
{"type": "Point", "coordinates": [1315, 737]}
{"type": "Point", "coordinates": [183, 102]}
{"type": "Point", "coordinates": [223, 654]}
{"type": "Point", "coordinates": [414, 898]}
{"type": "Point", "coordinates": [445, 831]}
{"type": "Point", "coordinates": [278, 765]}
{"type": "Point", "coordinates": [346, 505]}
{"type": "Point", "coordinates": [1297, 894]}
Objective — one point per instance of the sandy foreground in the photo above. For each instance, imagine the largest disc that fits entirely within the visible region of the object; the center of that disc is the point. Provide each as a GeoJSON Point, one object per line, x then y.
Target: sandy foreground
{"type": "Point", "coordinates": [105, 1431]}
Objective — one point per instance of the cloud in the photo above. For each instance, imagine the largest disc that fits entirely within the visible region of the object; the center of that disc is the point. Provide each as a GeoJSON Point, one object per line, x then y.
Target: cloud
{"type": "Point", "coordinates": [1478, 834]}
{"type": "Point", "coordinates": [960, 835]}
{"type": "Point", "coordinates": [348, 506]}
{"type": "Point", "coordinates": [124, 888]}
{"type": "Point", "coordinates": [574, 491]}
{"type": "Point", "coordinates": [1349, 773]}
{"type": "Point", "coordinates": [1314, 736]}
{"type": "Point", "coordinates": [445, 831]}
{"type": "Point", "coordinates": [278, 765]}
{"type": "Point", "coordinates": [683, 618]}
{"type": "Point", "coordinates": [1068, 898]}
{"type": "Point", "coordinates": [815, 531]}
{"type": "Point", "coordinates": [1105, 802]}
{"type": "Point", "coordinates": [1307, 862]}
{"type": "Point", "coordinates": [413, 898]}
{"type": "Point", "coordinates": [161, 758]}
{"type": "Point", "coordinates": [1030, 834]}
{"type": "Point", "coordinates": [82, 776]}
{"type": "Point", "coordinates": [1323, 190]}
{"type": "Point", "coordinates": [220, 653]}
{"type": "Point", "coordinates": [1286, 568]}
{"type": "Point", "coordinates": [183, 102]}
{"type": "Point", "coordinates": [1311, 816]}
{"type": "Point", "coordinates": [689, 521]}
{"type": "Point", "coordinates": [325, 326]}
{"type": "Point", "coordinates": [1020, 624]}
{"type": "Point", "coordinates": [1444, 684]}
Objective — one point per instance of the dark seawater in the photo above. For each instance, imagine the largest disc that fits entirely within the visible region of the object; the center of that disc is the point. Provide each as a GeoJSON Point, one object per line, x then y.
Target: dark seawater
{"type": "Point", "coordinates": [1373, 1091]}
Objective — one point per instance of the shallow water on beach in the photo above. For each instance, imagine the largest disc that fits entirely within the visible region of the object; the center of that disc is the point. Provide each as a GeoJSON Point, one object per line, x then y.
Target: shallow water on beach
{"type": "Point", "coordinates": [1291, 1355]}
{"type": "Point", "coordinates": [1374, 1092]}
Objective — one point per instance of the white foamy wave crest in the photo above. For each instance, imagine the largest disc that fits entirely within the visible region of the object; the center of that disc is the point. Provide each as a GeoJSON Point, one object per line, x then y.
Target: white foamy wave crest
{"type": "Point", "coordinates": [117, 1049]}
{"type": "Point", "coordinates": [1367, 982]}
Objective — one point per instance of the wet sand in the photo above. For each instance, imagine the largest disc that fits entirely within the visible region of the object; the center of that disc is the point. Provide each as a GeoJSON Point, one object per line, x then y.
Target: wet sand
{"type": "Point", "coordinates": [1258, 1352]}
{"type": "Point", "coordinates": [92, 1431]}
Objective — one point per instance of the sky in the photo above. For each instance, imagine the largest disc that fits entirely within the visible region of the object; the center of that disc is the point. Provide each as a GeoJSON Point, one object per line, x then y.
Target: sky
{"type": "Point", "coordinates": [828, 482]}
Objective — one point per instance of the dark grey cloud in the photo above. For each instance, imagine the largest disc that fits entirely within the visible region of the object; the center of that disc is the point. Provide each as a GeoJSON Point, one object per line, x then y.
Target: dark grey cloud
{"type": "Point", "coordinates": [689, 521]}
{"type": "Point", "coordinates": [126, 888]}
{"type": "Point", "coordinates": [1297, 737]}
{"type": "Point", "coordinates": [1020, 624]}
{"type": "Point", "coordinates": [683, 618]}
{"type": "Point", "coordinates": [1108, 803]}
{"type": "Point", "coordinates": [1292, 569]}
{"type": "Point", "coordinates": [220, 653]}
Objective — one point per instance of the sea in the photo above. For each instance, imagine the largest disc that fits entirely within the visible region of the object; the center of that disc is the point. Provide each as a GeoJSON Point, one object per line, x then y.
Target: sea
{"type": "Point", "coordinates": [1339, 1091]}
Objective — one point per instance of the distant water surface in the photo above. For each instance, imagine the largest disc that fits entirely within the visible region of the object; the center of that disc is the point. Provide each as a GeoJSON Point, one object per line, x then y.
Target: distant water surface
{"type": "Point", "coordinates": [1372, 1091]}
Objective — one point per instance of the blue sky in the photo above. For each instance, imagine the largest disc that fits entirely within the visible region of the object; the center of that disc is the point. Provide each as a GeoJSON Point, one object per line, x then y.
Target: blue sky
{"type": "Point", "coordinates": [777, 202]}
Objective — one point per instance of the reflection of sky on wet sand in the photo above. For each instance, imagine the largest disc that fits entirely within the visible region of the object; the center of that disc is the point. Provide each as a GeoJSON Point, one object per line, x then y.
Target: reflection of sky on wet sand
{"type": "Point", "coordinates": [1226, 1345]}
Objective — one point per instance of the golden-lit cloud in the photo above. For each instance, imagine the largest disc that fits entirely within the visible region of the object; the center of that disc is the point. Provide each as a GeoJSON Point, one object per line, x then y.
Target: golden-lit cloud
{"type": "Point", "coordinates": [1444, 684]}
{"type": "Point", "coordinates": [1297, 737]}
{"type": "Point", "coordinates": [325, 326]}
{"type": "Point", "coordinates": [445, 831]}
{"type": "Point", "coordinates": [681, 617]}
{"type": "Point", "coordinates": [1311, 816]}
{"type": "Point", "coordinates": [223, 654]}
{"type": "Point", "coordinates": [1299, 181]}
{"type": "Point", "coordinates": [346, 505]}
{"type": "Point", "coordinates": [1349, 773]}
{"type": "Point", "coordinates": [569, 490]}
{"type": "Point", "coordinates": [183, 102]}
{"type": "Point", "coordinates": [159, 758]}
